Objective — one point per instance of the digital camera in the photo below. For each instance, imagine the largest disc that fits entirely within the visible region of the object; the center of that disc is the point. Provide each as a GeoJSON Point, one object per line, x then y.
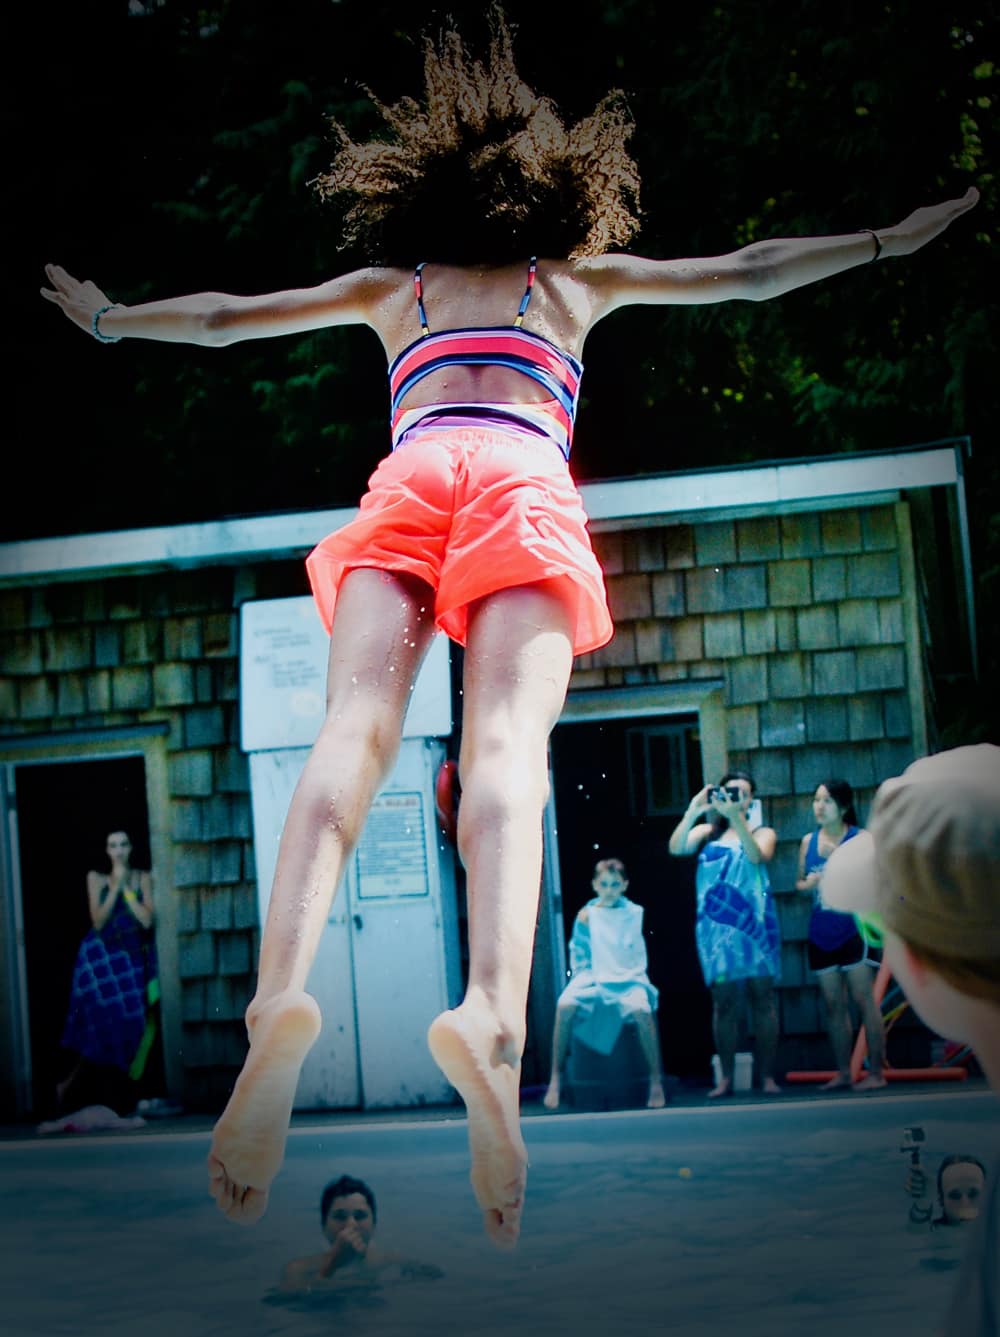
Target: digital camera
{"type": "Point", "coordinates": [731, 792]}
{"type": "Point", "coordinates": [913, 1140]}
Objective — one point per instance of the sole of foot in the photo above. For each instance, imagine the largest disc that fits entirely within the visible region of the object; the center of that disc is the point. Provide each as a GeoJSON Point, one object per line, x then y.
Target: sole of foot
{"type": "Point", "coordinates": [466, 1047]}
{"type": "Point", "coordinates": [248, 1144]}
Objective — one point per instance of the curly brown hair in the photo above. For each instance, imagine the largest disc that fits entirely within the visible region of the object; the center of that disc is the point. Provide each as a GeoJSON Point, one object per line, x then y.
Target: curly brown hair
{"type": "Point", "coordinates": [484, 169]}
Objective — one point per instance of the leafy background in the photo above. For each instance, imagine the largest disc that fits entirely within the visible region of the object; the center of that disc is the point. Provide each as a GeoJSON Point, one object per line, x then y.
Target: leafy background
{"type": "Point", "coordinates": [166, 146]}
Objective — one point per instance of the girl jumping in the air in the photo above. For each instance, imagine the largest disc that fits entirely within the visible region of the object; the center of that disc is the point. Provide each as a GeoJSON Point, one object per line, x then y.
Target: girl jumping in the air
{"type": "Point", "coordinates": [496, 235]}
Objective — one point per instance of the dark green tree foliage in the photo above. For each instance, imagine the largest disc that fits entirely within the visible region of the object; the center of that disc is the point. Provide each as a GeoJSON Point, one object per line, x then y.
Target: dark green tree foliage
{"type": "Point", "coordinates": [170, 147]}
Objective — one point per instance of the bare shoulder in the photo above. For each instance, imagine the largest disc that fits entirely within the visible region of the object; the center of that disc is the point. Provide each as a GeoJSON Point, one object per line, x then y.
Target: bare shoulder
{"type": "Point", "coordinates": [300, 1271]}
{"type": "Point", "coordinates": [369, 286]}
{"type": "Point", "coordinates": [767, 840]}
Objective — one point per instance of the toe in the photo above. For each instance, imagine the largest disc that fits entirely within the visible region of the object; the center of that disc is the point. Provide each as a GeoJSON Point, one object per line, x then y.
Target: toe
{"type": "Point", "coordinates": [248, 1206]}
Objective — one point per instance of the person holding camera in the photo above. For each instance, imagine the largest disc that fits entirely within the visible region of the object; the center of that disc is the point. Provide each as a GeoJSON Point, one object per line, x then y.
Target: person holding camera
{"type": "Point", "coordinates": [736, 925]}
{"type": "Point", "coordinates": [961, 1184]}
{"type": "Point", "coordinates": [839, 953]}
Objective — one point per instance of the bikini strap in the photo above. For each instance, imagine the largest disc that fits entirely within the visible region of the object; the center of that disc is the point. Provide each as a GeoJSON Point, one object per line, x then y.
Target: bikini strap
{"type": "Point", "coordinates": [532, 266]}
{"type": "Point", "coordinates": [418, 286]}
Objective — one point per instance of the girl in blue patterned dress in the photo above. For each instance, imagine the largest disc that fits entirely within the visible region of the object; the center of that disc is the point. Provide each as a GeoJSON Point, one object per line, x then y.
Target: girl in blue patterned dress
{"type": "Point", "coordinates": [736, 927]}
{"type": "Point", "coordinates": [114, 978]}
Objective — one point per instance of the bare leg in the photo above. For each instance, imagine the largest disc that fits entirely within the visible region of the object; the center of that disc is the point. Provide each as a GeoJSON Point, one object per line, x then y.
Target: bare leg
{"type": "Point", "coordinates": [383, 624]}
{"type": "Point", "coordinates": [561, 1032]}
{"type": "Point", "coordinates": [764, 1009]}
{"type": "Point", "coordinates": [517, 666]}
{"type": "Point", "coordinates": [860, 981]}
{"type": "Point", "coordinates": [649, 1038]}
{"type": "Point", "coordinates": [838, 1024]}
{"type": "Point", "coordinates": [725, 1027]}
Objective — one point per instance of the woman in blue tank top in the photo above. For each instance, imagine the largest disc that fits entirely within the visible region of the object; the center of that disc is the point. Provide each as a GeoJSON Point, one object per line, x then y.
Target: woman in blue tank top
{"type": "Point", "coordinates": [838, 953]}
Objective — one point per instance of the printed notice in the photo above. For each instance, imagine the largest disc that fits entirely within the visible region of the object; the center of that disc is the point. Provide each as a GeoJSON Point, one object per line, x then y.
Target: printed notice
{"type": "Point", "coordinates": [283, 666]}
{"type": "Point", "coordinates": [283, 674]}
{"type": "Point", "coordinates": [392, 855]}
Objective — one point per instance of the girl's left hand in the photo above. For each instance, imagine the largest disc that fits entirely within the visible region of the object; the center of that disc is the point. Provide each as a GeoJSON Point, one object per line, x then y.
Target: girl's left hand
{"type": "Point", "coordinates": [924, 224]}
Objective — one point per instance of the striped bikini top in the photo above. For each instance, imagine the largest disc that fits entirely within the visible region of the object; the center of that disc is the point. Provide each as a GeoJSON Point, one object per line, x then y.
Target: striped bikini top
{"type": "Point", "coordinates": [489, 346]}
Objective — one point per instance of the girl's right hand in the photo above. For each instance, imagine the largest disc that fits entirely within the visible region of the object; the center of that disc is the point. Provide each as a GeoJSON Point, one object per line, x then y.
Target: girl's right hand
{"type": "Point", "coordinates": [79, 301]}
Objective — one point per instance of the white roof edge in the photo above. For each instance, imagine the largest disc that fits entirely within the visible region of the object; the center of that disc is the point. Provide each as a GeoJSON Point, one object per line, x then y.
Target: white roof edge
{"type": "Point", "coordinates": [773, 488]}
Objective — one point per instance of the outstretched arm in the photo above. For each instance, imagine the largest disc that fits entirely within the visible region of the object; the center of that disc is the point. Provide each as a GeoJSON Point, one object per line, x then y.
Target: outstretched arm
{"type": "Point", "coordinates": [763, 269]}
{"type": "Point", "coordinates": [214, 319]}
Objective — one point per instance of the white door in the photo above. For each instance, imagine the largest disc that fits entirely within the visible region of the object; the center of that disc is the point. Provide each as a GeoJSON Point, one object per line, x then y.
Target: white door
{"type": "Point", "coordinates": [330, 1077]}
{"type": "Point", "coordinates": [404, 935]}
{"type": "Point", "coordinates": [388, 960]}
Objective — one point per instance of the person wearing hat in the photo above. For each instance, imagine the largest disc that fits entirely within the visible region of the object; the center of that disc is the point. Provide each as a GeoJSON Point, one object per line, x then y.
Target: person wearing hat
{"type": "Point", "coordinates": [927, 871]}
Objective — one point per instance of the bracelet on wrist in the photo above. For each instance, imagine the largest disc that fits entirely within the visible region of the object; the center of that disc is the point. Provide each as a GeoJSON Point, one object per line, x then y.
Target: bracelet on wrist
{"type": "Point", "coordinates": [878, 245]}
{"type": "Point", "coordinates": [95, 328]}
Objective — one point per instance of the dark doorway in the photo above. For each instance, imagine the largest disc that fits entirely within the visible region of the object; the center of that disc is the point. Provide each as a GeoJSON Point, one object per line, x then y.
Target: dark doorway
{"type": "Point", "coordinates": [621, 786]}
{"type": "Point", "coordinates": [65, 811]}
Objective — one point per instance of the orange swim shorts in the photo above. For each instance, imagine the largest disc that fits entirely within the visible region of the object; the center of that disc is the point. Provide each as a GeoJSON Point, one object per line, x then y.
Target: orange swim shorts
{"type": "Point", "coordinates": [471, 510]}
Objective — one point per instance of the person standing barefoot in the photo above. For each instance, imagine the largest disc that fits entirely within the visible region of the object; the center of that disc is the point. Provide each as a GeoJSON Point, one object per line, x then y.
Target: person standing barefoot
{"type": "Point", "coordinates": [736, 924]}
{"type": "Point", "coordinates": [838, 952]}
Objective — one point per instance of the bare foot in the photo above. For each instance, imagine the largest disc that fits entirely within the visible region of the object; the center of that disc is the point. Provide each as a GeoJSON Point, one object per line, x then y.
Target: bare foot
{"type": "Point", "coordinates": [841, 1079]}
{"type": "Point", "coordinates": [873, 1082]}
{"type": "Point", "coordinates": [770, 1087]}
{"type": "Point", "coordinates": [551, 1098]}
{"type": "Point", "coordinates": [657, 1097]}
{"type": "Point", "coordinates": [248, 1144]}
{"type": "Point", "coordinates": [467, 1045]}
{"type": "Point", "coordinates": [724, 1088]}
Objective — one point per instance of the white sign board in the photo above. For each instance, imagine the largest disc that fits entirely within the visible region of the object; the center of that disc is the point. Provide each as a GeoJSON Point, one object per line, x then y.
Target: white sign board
{"type": "Point", "coordinates": [283, 654]}
{"type": "Point", "coordinates": [392, 856]}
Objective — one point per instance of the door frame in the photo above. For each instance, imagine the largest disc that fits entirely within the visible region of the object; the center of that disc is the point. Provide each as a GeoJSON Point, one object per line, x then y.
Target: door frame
{"type": "Point", "coordinates": [703, 697]}
{"type": "Point", "coordinates": [148, 741]}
